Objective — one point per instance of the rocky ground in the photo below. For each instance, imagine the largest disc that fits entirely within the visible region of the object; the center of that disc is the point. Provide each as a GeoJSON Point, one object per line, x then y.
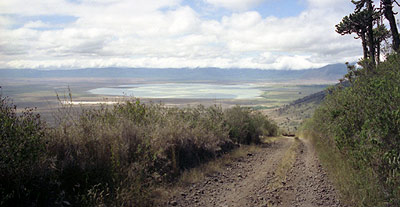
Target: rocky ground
{"type": "Point", "coordinates": [284, 173]}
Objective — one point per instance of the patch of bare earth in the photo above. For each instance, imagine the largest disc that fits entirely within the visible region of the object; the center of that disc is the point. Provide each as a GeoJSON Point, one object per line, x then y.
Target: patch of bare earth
{"type": "Point", "coordinates": [284, 173]}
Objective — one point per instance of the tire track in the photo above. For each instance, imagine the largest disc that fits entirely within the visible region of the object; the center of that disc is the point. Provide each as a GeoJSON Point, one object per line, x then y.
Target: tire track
{"type": "Point", "coordinates": [286, 173]}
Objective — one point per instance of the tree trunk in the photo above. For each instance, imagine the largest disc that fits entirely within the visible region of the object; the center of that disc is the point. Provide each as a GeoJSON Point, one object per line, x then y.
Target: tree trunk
{"type": "Point", "coordinates": [370, 32]}
{"type": "Point", "coordinates": [378, 52]}
{"type": "Point", "coordinates": [389, 15]}
{"type": "Point", "coordinates": [364, 45]}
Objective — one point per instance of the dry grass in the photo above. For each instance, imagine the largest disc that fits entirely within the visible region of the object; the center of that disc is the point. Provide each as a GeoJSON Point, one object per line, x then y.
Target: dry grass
{"type": "Point", "coordinates": [198, 174]}
{"type": "Point", "coordinates": [269, 140]}
{"type": "Point", "coordinates": [285, 165]}
{"type": "Point", "coordinates": [117, 155]}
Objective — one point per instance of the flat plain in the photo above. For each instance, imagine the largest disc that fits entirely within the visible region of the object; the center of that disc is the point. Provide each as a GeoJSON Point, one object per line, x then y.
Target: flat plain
{"type": "Point", "coordinates": [45, 94]}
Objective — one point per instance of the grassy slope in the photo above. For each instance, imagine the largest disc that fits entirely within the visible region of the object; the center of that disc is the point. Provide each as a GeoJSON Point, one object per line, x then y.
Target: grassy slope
{"type": "Point", "coordinates": [356, 132]}
{"type": "Point", "coordinates": [290, 117]}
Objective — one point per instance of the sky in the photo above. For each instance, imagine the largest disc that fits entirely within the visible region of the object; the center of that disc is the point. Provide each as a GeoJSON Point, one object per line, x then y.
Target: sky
{"type": "Point", "coordinates": [262, 34]}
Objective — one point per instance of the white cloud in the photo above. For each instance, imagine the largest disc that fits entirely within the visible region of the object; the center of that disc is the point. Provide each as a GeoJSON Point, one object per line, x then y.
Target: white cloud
{"type": "Point", "coordinates": [243, 20]}
{"type": "Point", "coordinates": [183, 20]}
{"type": "Point", "coordinates": [164, 33]}
{"type": "Point", "coordinates": [5, 22]}
{"type": "Point", "coordinates": [84, 7]}
{"type": "Point", "coordinates": [36, 24]}
{"type": "Point", "coordinates": [239, 5]}
{"type": "Point", "coordinates": [35, 7]}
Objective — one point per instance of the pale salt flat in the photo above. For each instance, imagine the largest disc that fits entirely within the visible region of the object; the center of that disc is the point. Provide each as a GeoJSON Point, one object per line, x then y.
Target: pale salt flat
{"type": "Point", "coordinates": [89, 102]}
{"type": "Point", "coordinates": [183, 91]}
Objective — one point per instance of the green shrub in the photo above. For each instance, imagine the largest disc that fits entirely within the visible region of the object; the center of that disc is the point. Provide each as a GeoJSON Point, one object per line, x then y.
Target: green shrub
{"type": "Point", "coordinates": [246, 127]}
{"type": "Point", "coordinates": [114, 156]}
{"type": "Point", "coordinates": [363, 122]}
{"type": "Point", "coordinates": [103, 156]}
{"type": "Point", "coordinates": [23, 175]}
{"type": "Point", "coordinates": [150, 143]}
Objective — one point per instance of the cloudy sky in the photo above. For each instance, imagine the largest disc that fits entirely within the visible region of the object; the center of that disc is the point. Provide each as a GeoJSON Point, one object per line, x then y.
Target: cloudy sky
{"type": "Point", "coordinates": [265, 34]}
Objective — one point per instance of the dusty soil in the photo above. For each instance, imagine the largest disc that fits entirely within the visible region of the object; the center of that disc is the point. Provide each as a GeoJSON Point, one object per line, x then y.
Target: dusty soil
{"type": "Point", "coordinates": [284, 173]}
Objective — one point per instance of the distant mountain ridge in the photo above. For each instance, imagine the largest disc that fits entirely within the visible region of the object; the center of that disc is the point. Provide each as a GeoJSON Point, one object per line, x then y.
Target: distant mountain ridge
{"type": "Point", "coordinates": [328, 73]}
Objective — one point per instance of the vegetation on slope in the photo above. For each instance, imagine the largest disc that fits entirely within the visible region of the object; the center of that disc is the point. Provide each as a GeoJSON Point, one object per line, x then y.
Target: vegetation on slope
{"type": "Point", "coordinates": [357, 132]}
{"type": "Point", "coordinates": [113, 156]}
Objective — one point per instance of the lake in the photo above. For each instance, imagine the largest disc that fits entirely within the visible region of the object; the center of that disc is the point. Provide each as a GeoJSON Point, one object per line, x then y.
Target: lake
{"type": "Point", "coordinates": [183, 91]}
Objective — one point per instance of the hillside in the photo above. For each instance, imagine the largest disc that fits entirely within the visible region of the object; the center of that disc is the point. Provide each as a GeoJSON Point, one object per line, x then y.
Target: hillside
{"type": "Point", "coordinates": [290, 117]}
{"type": "Point", "coordinates": [356, 131]}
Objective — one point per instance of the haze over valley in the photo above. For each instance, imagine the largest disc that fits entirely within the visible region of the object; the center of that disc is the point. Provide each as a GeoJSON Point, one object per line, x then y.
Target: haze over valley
{"type": "Point", "coordinates": [175, 87]}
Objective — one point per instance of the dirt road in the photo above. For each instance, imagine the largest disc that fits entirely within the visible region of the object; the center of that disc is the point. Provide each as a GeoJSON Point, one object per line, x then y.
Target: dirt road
{"type": "Point", "coordinates": [284, 173]}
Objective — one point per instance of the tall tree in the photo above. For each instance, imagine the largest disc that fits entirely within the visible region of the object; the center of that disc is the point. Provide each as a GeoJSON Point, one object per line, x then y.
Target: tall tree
{"type": "Point", "coordinates": [380, 34]}
{"type": "Point", "coordinates": [355, 23]}
{"type": "Point", "coordinates": [370, 24]}
{"type": "Point", "coordinates": [389, 15]}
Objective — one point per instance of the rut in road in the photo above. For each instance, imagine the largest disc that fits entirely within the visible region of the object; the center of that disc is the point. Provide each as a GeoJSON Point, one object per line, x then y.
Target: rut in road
{"type": "Point", "coordinates": [284, 173]}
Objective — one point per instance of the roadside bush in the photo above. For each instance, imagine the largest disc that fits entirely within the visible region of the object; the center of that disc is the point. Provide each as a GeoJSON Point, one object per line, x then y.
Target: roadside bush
{"type": "Point", "coordinates": [114, 155]}
{"type": "Point", "coordinates": [246, 127]}
{"type": "Point", "coordinates": [23, 173]}
{"type": "Point", "coordinates": [362, 121]}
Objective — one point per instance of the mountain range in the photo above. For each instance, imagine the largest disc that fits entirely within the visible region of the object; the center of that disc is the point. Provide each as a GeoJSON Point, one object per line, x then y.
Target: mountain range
{"type": "Point", "coordinates": [331, 72]}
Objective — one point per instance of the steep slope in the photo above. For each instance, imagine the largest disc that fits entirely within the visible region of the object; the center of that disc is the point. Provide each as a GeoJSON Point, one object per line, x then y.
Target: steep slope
{"type": "Point", "coordinates": [290, 117]}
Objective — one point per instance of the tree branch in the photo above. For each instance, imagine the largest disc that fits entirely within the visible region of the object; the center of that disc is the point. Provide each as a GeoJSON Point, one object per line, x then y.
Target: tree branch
{"type": "Point", "coordinates": [395, 1]}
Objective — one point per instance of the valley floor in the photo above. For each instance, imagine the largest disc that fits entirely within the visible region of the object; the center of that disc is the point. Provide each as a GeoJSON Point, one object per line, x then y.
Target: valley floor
{"type": "Point", "coordinates": [285, 172]}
